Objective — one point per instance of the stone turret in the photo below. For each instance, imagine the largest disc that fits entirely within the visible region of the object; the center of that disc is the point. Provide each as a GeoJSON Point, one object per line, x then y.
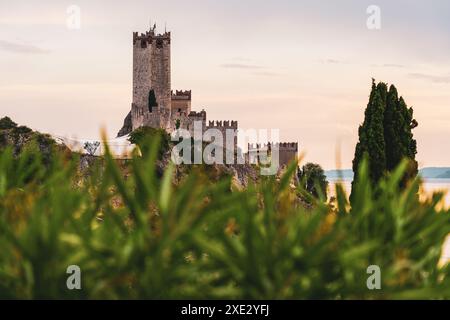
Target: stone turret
{"type": "Point", "coordinates": [181, 101]}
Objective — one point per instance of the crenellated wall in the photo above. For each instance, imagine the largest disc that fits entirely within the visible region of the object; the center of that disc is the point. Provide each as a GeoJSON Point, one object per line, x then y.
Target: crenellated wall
{"type": "Point", "coordinates": [226, 127]}
{"type": "Point", "coordinates": [287, 151]}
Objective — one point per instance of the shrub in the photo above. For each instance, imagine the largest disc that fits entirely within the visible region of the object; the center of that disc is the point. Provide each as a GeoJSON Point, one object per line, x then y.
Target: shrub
{"type": "Point", "coordinates": [144, 136]}
{"type": "Point", "coordinates": [313, 179]}
{"type": "Point", "coordinates": [142, 237]}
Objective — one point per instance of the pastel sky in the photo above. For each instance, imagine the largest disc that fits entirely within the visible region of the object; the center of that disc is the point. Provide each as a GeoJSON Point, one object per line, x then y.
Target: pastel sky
{"type": "Point", "coordinates": [304, 67]}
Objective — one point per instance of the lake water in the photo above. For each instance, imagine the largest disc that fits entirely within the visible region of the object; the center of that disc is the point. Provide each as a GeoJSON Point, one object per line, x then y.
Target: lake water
{"type": "Point", "coordinates": [429, 187]}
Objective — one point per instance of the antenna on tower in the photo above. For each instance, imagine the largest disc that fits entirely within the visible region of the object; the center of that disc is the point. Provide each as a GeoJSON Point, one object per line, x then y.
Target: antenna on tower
{"type": "Point", "coordinates": [165, 27]}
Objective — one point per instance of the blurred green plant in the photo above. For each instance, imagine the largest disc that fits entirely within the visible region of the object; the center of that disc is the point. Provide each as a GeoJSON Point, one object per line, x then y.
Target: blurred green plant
{"type": "Point", "coordinates": [144, 236]}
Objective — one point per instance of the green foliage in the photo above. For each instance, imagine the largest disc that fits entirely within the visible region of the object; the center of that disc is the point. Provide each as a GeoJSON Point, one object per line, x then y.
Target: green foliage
{"type": "Point", "coordinates": [371, 136]}
{"type": "Point", "coordinates": [7, 123]}
{"type": "Point", "coordinates": [22, 138]}
{"type": "Point", "coordinates": [386, 135]}
{"type": "Point", "coordinates": [400, 144]}
{"type": "Point", "coordinates": [144, 136]}
{"type": "Point", "coordinates": [22, 130]}
{"type": "Point", "coordinates": [312, 178]}
{"type": "Point", "coordinates": [152, 100]}
{"type": "Point", "coordinates": [146, 237]}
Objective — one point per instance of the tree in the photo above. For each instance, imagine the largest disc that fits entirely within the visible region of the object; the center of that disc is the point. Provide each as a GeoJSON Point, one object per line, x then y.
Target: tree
{"type": "Point", "coordinates": [371, 135]}
{"type": "Point", "coordinates": [386, 136]}
{"type": "Point", "coordinates": [403, 145]}
{"type": "Point", "coordinates": [152, 100]}
{"type": "Point", "coordinates": [143, 137]}
{"type": "Point", "coordinates": [311, 177]}
{"type": "Point", "coordinates": [7, 123]}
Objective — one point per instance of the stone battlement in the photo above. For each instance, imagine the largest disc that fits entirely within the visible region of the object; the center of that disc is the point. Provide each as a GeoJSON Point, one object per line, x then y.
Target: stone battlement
{"type": "Point", "coordinates": [181, 95]}
{"type": "Point", "coordinates": [149, 37]}
{"type": "Point", "coordinates": [226, 124]}
{"type": "Point", "coordinates": [280, 145]}
{"type": "Point", "coordinates": [198, 115]}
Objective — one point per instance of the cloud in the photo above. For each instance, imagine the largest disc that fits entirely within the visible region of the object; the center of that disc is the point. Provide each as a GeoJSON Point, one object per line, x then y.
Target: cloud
{"type": "Point", "coordinates": [332, 61]}
{"type": "Point", "coordinates": [241, 66]}
{"type": "Point", "coordinates": [432, 78]}
{"type": "Point", "coordinates": [21, 48]}
{"type": "Point", "coordinates": [393, 65]}
{"type": "Point", "coordinates": [388, 65]}
{"type": "Point", "coordinates": [265, 74]}
{"type": "Point", "coordinates": [257, 70]}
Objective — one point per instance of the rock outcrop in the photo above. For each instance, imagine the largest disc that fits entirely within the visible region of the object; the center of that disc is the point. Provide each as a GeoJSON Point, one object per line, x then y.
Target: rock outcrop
{"type": "Point", "coordinates": [127, 126]}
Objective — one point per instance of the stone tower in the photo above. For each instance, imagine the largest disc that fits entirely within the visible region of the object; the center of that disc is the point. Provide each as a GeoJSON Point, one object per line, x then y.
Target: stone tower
{"type": "Point", "coordinates": [151, 71]}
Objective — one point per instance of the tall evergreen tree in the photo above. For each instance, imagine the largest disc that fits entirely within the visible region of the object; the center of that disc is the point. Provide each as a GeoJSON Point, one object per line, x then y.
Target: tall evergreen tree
{"type": "Point", "coordinates": [371, 135]}
{"type": "Point", "coordinates": [388, 116]}
{"type": "Point", "coordinates": [398, 125]}
{"type": "Point", "coordinates": [393, 154]}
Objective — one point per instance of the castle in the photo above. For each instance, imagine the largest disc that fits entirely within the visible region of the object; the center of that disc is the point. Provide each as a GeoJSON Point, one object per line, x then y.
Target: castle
{"type": "Point", "coordinates": [156, 105]}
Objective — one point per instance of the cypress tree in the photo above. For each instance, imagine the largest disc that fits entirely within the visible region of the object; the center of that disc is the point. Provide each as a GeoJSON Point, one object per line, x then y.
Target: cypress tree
{"type": "Point", "coordinates": [371, 136]}
{"type": "Point", "coordinates": [393, 154]}
{"type": "Point", "coordinates": [403, 125]}
{"type": "Point", "coordinates": [386, 134]}
{"type": "Point", "coordinates": [400, 143]}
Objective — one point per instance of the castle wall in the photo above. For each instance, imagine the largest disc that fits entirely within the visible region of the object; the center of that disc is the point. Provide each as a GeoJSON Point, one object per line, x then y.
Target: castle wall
{"type": "Point", "coordinates": [181, 106]}
{"type": "Point", "coordinates": [186, 121]}
{"type": "Point", "coordinates": [223, 126]}
{"type": "Point", "coordinates": [287, 151]}
{"type": "Point", "coordinates": [181, 101]}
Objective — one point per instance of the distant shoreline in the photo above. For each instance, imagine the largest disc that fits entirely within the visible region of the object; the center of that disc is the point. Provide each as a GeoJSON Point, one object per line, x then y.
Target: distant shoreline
{"type": "Point", "coordinates": [427, 173]}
